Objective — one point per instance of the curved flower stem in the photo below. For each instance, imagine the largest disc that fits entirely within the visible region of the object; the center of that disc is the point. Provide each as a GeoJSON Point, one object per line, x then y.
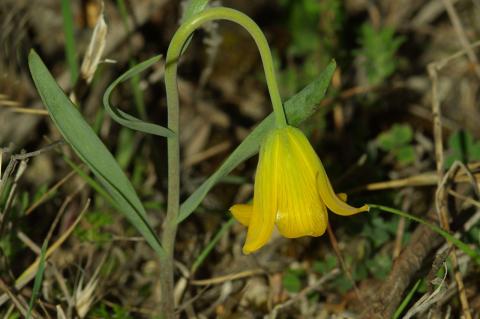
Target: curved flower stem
{"type": "Point", "coordinates": [174, 52]}
{"type": "Point", "coordinates": [189, 26]}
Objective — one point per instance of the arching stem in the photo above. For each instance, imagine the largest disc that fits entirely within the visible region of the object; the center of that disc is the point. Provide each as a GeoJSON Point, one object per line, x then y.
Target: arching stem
{"type": "Point", "coordinates": [173, 55]}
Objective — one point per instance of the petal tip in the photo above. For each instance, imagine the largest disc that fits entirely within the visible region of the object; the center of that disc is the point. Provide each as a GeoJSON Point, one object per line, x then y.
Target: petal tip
{"type": "Point", "coordinates": [242, 213]}
{"type": "Point", "coordinates": [248, 250]}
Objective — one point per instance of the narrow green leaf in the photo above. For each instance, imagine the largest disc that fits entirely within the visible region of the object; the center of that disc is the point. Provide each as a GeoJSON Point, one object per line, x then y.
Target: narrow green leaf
{"type": "Point", "coordinates": [126, 119]}
{"type": "Point", "coordinates": [38, 278]}
{"type": "Point", "coordinates": [455, 241]}
{"type": "Point", "coordinates": [135, 80]}
{"type": "Point", "coordinates": [193, 7]}
{"type": "Point", "coordinates": [81, 137]}
{"type": "Point", "coordinates": [90, 181]}
{"type": "Point", "coordinates": [406, 300]}
{"type": "Point", "coordinates": [138, 98]}
{"type": "Point", "coordinates": [69, 33]}
{"type": "Point", "coordinates": [124, 14]}
{"type": "Point", "coordinates": [206, 251]}
{"type": "Point", "coordinates": [298, 108]}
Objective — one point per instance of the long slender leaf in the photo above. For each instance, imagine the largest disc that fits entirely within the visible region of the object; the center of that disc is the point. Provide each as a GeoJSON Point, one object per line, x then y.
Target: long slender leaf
{"type": "Point", "coordinates": [208, 249]}
{"type": "Point", "coordinates": [124, 14]}
{"type": "Point", "coordinates": [126, 119]}
{"type": "Point", "coordinates": [298, 108]}
{"type": "Point", "coordinates": [193, 7]}
{"type": "Point", "coordinates": [135, 80]}
{"type": "Point", "coordinates": [455, 241]}
{"type": "Point", "coordinates": [403, 305]}
{"type": "Point", "coordinates": [38, 278]}
{"type": "Point", "coordinates": [91, 150]}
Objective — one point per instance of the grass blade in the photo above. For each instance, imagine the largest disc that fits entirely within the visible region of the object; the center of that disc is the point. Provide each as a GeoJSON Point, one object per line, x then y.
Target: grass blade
{"type": "Point", "coordinates": [90, 181]}
{"type": "Point", "coordinates": [135, 80]}
{"type": "Point", "coordinates": [298, 108]}
{"type": "Point", "coordinates": [38, 278]}
{"type": "Point", "coordinates": [70, 48]}
{"type": "Point", "coordinates": [406, 300]}
{"type": "Point", "coordinates": [206, 251]}
{"type": "Point", "coordinates": [81, 137]}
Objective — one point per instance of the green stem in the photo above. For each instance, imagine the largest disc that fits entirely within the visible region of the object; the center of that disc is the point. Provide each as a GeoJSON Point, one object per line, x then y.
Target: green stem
{"type": "Point", "coordinates": [189, 26]}
{"type": "Point", "coordinates": [173, 147]}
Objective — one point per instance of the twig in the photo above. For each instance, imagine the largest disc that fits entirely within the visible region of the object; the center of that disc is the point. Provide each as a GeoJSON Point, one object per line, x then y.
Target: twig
{"type": "Point", "coordinates": [16, 301]}
{"type": "Point", "coordinates": [4, 215]}
{"type": "Point", "coordinates": [423, 179]}
{"type": "Point", "coordinates": [62, 210]}
{"type": "Point", "coordinates": [190, 301]}
{"type": "Point", "coordinates": [343, 265]}
{"type": "Point", "coordinates": [457, 25]}
{"type": "Point", "coordinates": [442, 63]}
{"type": "Point", "coordinates": [230, 277]}
{"type": "Point", "coordinates": [29, 243]}
{"type": "Point", "coordinates": [23, 158]}
{"type": "Point", "coordinates": [26, 110]}
{"type": "Point", "coordinates": [44, 196]}
{"type": "Point", "coordinates": [206, 154]}
{"type": "Point", "coordinates": [15, 106]}
{"type": "Point", "coordinates": [9, 312]}
{"type": "Point", "coordinates": [441, 195]}
{"type": "Point", "coordinates": [62, 285]}
{"type": "Point", "coordinates": [397, 248]}
{"type": "Point", "coordinates": [475, 217]}
{"type": "Point", "coordinates": [42, 150]}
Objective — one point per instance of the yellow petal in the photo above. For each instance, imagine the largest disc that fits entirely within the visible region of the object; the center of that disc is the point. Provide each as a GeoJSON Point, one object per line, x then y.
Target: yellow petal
{"type": "Point", "coordinates": [335, 204]}
{"type": "Point", "coordinates": [265, 196]}
{"type": "Point", "coordinates": [242, 213]}
{"type": "Point", "coordinates": [325, 189]}
{"type": "Point", "coordinates": [300, 210]}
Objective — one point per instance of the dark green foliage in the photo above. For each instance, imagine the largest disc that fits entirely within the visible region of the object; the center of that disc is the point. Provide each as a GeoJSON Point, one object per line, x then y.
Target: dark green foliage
{"type": "Point", "coordinates": [397, 141]}
{"type": "Point", "coordinates": [462, 147]}
{"type": "Point", "coordinates": [292, 280]}
{"type": "Point", "coordinates": [113, 312]}
{"type": "Point", "coordinates": [377, 51]}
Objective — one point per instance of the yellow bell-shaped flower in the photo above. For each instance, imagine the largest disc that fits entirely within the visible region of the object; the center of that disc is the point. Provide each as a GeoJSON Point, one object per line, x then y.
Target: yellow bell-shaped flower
{"type": "Point", "coordinates": [291, 191]}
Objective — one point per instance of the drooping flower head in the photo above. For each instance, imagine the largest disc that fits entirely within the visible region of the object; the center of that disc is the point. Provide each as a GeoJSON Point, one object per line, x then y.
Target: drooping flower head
{"type": "Point", "coordinates": [292, 191]}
